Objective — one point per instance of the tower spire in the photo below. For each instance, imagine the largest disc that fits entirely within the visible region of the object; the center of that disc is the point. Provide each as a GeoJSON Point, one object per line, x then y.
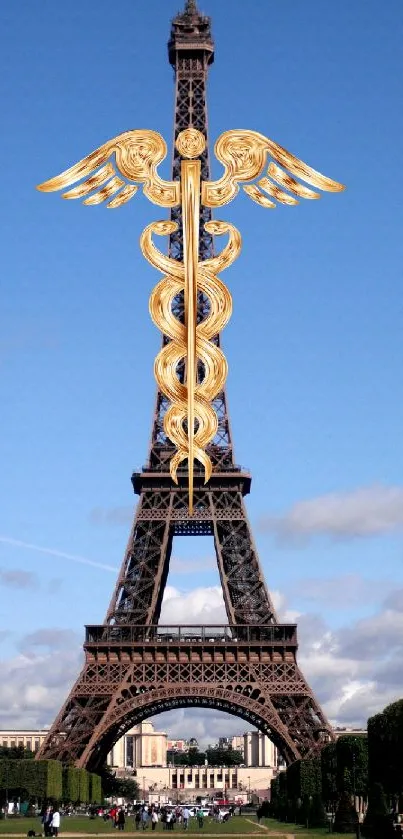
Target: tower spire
{"type": "Point", "coordinates": [191, 7]}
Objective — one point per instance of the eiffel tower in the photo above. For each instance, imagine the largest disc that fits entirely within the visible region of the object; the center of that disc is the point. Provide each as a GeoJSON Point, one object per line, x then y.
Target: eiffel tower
{"type": "Point", "coordinates": [134, 667]}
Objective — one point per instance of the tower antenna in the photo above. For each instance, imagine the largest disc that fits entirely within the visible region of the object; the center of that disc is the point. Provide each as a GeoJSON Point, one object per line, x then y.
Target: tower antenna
{"type": "Point", "coordinates": [191, 7]}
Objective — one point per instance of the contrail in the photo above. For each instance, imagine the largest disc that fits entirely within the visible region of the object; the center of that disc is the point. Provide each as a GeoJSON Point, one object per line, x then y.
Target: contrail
{"type": "Point", "coordinates": [16, 543]}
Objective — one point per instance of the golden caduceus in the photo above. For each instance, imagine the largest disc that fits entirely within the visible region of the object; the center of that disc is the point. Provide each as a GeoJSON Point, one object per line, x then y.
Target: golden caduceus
{"type": "Point", "coordinates": [111, 174]}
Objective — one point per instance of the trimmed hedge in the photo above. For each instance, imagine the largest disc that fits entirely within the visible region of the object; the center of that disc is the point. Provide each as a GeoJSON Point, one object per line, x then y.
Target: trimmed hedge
{"type": "Point", "coordinates": [352, 764]}
{"type": "Point", "coordinates": [95, 788]}
{"type": "Point", "coordinates": [304, 778]}
{"type": "Point", "coordinates": [71, 784]}
{"type": "Point", "coordinates": [39, 778]}
{"type": "Point", "coordinates": [385, 742]}
{"type": "Point", "coordinates": [45, 779]}
{"type": "Point", "coordinates": [330, 793]}
{"type": "Point", "coordinates": [83, 786]}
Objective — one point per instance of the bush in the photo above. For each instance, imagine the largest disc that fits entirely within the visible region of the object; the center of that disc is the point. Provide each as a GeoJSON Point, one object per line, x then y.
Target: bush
{"type": "Point", "coordinates": [346, 817]}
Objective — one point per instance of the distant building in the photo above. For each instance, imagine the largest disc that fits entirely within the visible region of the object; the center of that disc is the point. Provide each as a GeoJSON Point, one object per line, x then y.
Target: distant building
{"type": "Point", "coordinates": [177, 745]}
{"type": "Point", "coordinates": [259, 750]}
{"type": "Point", "coordinates": [358, 732]}
{"type": "Point", "coordinates": [236, 783]}
{"type": "Point", "coordinates": [30, 739]}
{"type": "Point", "coordinates": [141, 746]}
{"type": "Point", "coordinates": [238, 743]}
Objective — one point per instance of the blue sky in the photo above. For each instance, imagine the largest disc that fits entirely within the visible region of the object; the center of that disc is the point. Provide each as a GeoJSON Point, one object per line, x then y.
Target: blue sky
{"type": "Point", "coordinates": [314, 344]}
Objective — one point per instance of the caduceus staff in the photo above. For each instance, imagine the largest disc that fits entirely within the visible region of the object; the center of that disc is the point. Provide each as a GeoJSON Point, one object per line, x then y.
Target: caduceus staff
{"type": "Point", "coordinates": [190, 422]}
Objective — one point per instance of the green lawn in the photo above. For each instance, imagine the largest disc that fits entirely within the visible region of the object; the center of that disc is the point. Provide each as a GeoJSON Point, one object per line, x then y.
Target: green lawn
{"type": "Point", "coordinates": [236, 826]}
{"type": "Point", "coordinates": [84, 824]}
{"type": "Point", "coordinates": [302, 832]}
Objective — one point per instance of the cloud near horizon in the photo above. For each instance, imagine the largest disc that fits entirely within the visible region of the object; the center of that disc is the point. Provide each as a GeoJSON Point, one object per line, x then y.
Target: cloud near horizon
{"type": "Point", "coordinates": [363, 512]}
{"type": "Point", "coordinates": [354, 671]}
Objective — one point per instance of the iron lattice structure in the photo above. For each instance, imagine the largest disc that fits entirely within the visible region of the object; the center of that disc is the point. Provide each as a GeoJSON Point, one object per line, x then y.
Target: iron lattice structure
{"type": "Point", "coordinates": [135, 668]}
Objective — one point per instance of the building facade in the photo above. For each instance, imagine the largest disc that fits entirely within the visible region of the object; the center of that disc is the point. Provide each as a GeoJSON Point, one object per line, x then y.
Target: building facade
{"type": "Point", "coordinates": [258, 750]}
{"type": "Point", "coordinates": [140, 746]}
{"type": "Point", "coordinates": [27, 738]}
{"type": "Point", "coordinates": [187, 783]}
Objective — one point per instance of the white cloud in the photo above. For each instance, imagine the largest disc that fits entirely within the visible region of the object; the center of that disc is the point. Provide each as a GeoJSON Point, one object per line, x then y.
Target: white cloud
{"type": "Point", "coordinates": [367, 511]}
{"type": "Point", "coordinates": [35, 684]}
{"type": "Point", "coordinates": [201, 605]}
{"type": "Point", "coordinates": [355, 671]}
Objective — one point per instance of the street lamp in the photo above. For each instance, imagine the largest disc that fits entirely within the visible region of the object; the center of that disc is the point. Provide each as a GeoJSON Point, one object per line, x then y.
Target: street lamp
{"type": "Point", "coordinates": [144, 789]}
{"type": "Point", "coordinates": [249, 787]}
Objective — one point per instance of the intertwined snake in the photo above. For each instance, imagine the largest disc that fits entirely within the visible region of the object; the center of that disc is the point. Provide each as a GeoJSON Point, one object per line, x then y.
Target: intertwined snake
{"type": "Point", "coordinates": [210, 355]}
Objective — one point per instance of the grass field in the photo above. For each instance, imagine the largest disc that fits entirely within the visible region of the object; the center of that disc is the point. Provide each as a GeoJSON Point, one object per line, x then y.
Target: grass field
{"type": "Point", "coordinates": [301, 832]}
{"type": "Point", "coordinates": [97, 826]}
{"type": "Point", "coordinates": [238, 825]}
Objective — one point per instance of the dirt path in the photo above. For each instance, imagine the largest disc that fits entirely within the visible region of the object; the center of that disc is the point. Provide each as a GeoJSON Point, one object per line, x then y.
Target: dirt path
{"type": "Point", "coordinates": [268, 831]}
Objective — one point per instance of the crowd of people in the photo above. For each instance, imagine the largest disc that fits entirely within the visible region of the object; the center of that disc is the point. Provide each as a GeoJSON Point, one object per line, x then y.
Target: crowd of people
{"type": "Point", "coordinates": [148, 816]}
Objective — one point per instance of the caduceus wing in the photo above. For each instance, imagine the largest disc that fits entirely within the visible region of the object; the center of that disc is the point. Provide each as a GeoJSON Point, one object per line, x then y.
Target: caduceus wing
{"type": "Point", "coordinates": [245, 155]}
{"type": "Point", "coordinates": [112, 172]}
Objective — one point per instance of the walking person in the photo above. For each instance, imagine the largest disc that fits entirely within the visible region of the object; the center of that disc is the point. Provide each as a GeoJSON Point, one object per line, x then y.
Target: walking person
{"type": "Point", "coordinates": [154, 819]}
{"type": "Point", "coordinates": [200, 817]}
{"type": "Point", "coordinates": [144, 818]}
{"type": "Point", "coordinates": [121, 819]}
{"type": "Point", "coordinates": [47, 821]}
{"type": "Point", "coordinates": [185, 817]}
{"type": "Point", "coordinates": [55, 822]}
{"type": "Point", "coordinates": [137, 820]}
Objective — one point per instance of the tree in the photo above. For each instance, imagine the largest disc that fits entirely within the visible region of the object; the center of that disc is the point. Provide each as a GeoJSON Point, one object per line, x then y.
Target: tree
{"type": "Point", "coordinates": [224, 757]}
{"type": "Point", "coordinates": [118, 787]}
{"type": "Point", "coordinates": [346, 817]}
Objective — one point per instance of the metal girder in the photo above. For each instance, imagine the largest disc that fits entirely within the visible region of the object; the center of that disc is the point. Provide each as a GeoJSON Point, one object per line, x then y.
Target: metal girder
{"type": "Point", "coordinates": [125, 681]}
